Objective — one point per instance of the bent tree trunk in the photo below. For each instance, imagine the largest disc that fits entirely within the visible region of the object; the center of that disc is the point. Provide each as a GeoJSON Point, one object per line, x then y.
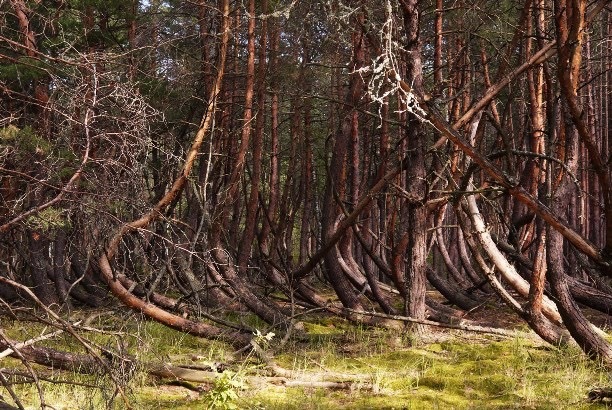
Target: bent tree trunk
{"type": "Point", "coordinates": [577, 324]}
{"type": "Point", "coordinates": [105, 260]}
{"type": "Point", "coordinates": [575, 321]}
{"type": "Point", "coordinates": [337, 179]}
{"type": "Point", "coordinates": [569, 17]}
{"type": "Point", "coordinates": [504, 267]}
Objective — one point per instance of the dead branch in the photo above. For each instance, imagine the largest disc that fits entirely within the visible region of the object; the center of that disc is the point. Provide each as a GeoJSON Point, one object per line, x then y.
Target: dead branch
{"type": "Point", "coordinates": [457, 326]}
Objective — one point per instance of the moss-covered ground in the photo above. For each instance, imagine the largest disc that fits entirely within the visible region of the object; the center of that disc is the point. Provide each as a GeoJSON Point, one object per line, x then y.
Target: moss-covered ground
{"type": "Point", "coordinates": [450, 370]}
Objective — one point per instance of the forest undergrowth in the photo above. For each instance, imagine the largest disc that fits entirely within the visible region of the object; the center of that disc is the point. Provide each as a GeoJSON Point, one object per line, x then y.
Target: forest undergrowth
{"type": "Point", "coordinates": [331, 364]}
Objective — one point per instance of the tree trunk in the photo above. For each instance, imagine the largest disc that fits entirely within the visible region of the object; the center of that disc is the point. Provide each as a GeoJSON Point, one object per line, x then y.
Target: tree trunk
{"type": "Point", "coordinates": [248, 235]}
{"type": "Point", "coordinates": [40, 269]}
{"type": "Point", "coordinates": [415, 273]}
{"type": "Point", "coordinates": [337, 179]}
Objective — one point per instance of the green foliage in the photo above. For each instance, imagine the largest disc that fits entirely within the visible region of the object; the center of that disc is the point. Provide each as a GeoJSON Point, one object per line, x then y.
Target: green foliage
{"type": "Point", "coordinates": [8, 134]}
{"type": "Point", "coordinates": [224, 393]}
{"type": "Point", "coordinates": [49, 219]}
{"type": "Point", "coordinates": [25, 70]}
{"type": "Point", "coordinates": [24, 140]}
{"type": "Point", "coordinates": [26, 146]}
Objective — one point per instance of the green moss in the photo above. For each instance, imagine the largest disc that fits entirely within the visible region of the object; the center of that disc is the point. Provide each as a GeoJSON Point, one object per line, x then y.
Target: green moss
{"type": "Point", "coordinates": [160, 343]}
{"type": "Point", "coordinates": [165, 397]}
{"type": "Point", "coordinates": [453, 374]}
{"type": "Point", "coordinates": [48, 219]}
{"type": "Point", "coordinates": [460, 373]}
{"type": "Point", "coordinates": [315, 329]}
{"type": "Point", "coordinates": [25, 140]}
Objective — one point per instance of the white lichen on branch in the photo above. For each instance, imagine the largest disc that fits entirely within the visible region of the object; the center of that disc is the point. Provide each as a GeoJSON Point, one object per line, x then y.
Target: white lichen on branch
{"type": "Point", "coordinates": [383, 78]}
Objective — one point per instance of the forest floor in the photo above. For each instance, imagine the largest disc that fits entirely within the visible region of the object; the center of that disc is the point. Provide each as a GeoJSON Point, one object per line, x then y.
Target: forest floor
{"type": "Point", "coordinates": [332, 364]}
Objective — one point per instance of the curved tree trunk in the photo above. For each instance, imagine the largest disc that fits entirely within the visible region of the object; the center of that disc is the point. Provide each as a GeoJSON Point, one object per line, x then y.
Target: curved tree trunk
{"type": "Point", "coordinates": [578, 325]}
{"type": "Point", "coordinates": [263, 308]}
{"type": "Point", "coordinates": [575, 321]}
{"type": "Point", "coordinates": [335, 186]}
{"type": "Point", "coordinates": [451, 292]}
{"type": "Point", "coordinates": [507, 271]}
{"type": "Point", "coordinates": [104, 261]}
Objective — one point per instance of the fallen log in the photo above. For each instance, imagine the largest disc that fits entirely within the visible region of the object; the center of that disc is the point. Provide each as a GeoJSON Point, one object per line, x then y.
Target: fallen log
{"type": "Point", "coordinates": [56, 359]}
{"type": "Point", "coordinates": [182, 374]}
{"type": "Point", "coordinates": [458, 326]}
{"type": "Point", "coordinates": [600, 394]}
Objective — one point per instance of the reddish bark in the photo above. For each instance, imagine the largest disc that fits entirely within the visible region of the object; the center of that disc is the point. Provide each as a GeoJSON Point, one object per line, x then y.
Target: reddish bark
{"type": "Point", "coordinates": [337, 178]}
{"type": "Point", "coordinates": [104, 261]}
{"type": "Point", "coordinates": [415, 275]}
{"type": "Point", "coordinates": [252, 206]}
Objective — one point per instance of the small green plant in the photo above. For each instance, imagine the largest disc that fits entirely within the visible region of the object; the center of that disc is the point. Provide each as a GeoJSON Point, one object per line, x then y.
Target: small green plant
{"type": "Point", "coordinates": [225, 391]}
{"type": "Point", "coordinates": [225, 387]}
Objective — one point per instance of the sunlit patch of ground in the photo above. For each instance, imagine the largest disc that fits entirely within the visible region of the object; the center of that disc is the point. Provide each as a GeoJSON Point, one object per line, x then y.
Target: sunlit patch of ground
{"type": "Point", "coordinates": [451, 370]}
